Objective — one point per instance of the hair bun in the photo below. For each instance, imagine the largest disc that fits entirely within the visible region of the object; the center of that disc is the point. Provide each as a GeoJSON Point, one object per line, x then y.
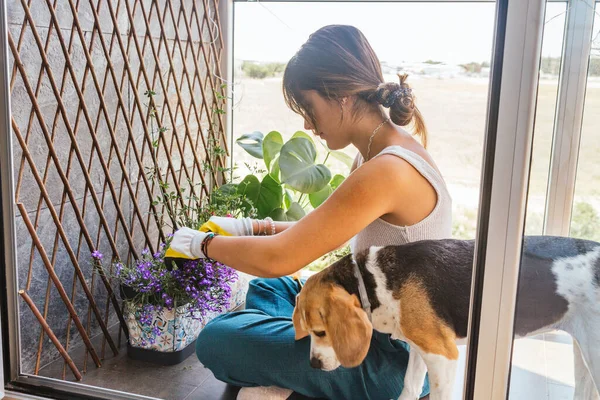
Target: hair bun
{"type": "Point", "coordinates": [388, 93]}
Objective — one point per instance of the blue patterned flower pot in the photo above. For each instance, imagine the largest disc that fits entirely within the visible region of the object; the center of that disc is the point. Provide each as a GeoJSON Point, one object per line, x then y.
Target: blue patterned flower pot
{"type": "Point", "coordinates": [160, 335]}
{"type": "Point", "coordinates": [168, 337]}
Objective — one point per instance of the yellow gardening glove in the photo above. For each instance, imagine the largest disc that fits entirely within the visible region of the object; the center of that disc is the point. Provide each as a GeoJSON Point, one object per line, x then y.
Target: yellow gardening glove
{"type": "Point", "coordinates": [222, 226]}
{"type": "Point", "coordinates": [187, 243]}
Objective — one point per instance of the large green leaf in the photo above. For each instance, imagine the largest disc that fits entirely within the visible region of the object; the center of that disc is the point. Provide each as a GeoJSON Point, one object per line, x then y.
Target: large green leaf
{"type": "Point", "coordinates": [295, 212]}
{"type": "Point", "coordinates": [271, 196]}
{"type": "Point", "coordinates": [275, 170]}
{"type": "Point", "coordinates": [249, 187]}
{"type": "Point", "coordinates": [298, 168]}
{"type": "Point", "coordinates": [252, 143]}
{"type": "Point", "coordinates": [343, 157]}
{"type": "Point", "coordinates": [302, 134]}
{"type": "Point", "coordinates": [336, 181]}
{"type": "Point", "coordinates": [265, 196]}
{"type": "Point", "coordinates": [271, 146]}
{"type": "Point", "coordinates": [288, 198]}
{"type": "Point", "coordinates": [317, 198]}
{"type": "Point", "coordinates": [278, 214]}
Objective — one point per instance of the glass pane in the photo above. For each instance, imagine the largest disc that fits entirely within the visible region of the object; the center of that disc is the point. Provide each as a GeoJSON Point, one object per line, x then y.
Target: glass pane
{"type": "Point", "coordinates": [447, 58]}
{"type": "Point", "coordinates": [585, 219]}
{"type": "Point", "coordinates": [543, 363]}
{"type": "Point", "coordinates": [544, 116]}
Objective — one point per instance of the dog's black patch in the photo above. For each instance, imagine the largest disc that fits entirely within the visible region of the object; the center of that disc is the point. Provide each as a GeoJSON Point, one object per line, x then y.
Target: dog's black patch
{"type": "Point", "coordinates": [538, 303]}
{"type": "Point", "coordinates": [554, 247]}
{"type": "Point", "coordinates": [444, 269]}
{"type": "Point", "coordinates": [596, 268]}
{"type": "Point", "coordinates": [342, 273]}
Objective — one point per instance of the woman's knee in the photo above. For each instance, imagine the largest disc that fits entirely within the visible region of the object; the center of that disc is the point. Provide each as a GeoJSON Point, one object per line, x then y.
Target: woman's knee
{"type": "Point", "coordinates": [214, 341]}
{"type": "Point", "coordinates": [274, 296]}
{"type": "Point", "coordinates": [270, 284]}
{"type": "Point", "coordinates": [231, 342]}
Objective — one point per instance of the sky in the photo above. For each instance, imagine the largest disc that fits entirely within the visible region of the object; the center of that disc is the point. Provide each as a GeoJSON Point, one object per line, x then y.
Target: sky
{"type": "Point", "coordinates": [453, 33]}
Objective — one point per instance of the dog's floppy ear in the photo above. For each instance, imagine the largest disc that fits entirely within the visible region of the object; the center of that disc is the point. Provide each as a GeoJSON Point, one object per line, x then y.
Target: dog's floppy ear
{"type": "Point", "coordinates": [298, 325]}
{"type": "Point", "coordinates": [348, 328]}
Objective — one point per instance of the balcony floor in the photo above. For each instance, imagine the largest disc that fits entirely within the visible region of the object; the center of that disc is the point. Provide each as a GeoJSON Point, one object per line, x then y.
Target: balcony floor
{"type": "Point", "coordinates": [542, 369]}
{"type": "Point", "coordinates": [186, 381]}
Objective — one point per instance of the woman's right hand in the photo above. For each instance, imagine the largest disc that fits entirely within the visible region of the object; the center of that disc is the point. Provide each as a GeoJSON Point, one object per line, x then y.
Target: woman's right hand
{"type": "Point", "coordinates": [228, 226]}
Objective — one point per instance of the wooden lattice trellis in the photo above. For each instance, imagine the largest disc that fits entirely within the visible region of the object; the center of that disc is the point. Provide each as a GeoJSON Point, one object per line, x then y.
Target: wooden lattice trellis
{"type": "Point", "coordinates": [85, 132]}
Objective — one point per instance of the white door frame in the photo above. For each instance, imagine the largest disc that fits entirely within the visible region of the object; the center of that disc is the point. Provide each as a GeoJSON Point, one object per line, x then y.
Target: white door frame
{"type": "Point", "coordinates": [505, 175]}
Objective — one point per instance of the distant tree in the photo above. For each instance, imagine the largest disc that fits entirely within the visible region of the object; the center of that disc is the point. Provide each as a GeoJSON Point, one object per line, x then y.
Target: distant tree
{"type": "Point", "coordinates": [260, 71]}
{"type": "Point", "coordinates": [433, 62]}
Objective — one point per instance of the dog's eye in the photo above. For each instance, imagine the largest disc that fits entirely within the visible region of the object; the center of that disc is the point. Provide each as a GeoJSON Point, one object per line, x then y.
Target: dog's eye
{"type": "Point", "coordinates": [319, 333]}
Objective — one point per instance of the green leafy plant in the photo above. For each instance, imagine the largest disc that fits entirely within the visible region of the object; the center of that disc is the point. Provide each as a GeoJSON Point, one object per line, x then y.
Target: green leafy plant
{"type": "Point", "coordinates": [292, 181]}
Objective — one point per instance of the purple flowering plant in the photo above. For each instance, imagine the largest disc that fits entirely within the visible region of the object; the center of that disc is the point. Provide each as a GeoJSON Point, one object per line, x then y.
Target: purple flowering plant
{"type": "Point", "coordinates": [204, 285]}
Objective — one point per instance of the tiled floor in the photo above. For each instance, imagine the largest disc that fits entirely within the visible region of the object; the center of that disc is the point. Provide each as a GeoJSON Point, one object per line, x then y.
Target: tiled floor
{"type": "Point", "coordinates": [542, 369]}
{"type": "Point", "coordinates": [188, 380]}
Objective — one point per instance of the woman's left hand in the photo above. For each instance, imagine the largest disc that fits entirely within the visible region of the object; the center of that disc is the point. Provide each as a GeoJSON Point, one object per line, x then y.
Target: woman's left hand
{"type": "Point", "coordinates": [188, 242]}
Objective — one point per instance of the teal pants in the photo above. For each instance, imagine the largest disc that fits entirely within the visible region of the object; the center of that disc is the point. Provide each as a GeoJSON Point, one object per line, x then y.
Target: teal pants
{"type": "Point", "coordinates": [256, 347]}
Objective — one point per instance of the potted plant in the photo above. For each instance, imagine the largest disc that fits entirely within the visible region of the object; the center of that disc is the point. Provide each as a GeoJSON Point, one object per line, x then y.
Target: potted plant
{"type": "Point", "coordinates": [165, 308]}
{"type": "Point", "coordinates": [291, 181]}
{"type": "Point", "coordinates": [166, 302]}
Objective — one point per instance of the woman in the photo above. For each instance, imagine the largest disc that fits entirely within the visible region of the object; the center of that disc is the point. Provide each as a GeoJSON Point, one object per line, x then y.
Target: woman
{"type": "Point", "coordinates": [394, 195]}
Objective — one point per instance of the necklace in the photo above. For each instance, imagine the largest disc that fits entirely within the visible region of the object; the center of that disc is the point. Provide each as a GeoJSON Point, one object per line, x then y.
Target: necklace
{"type": "Point", "coordinates": [373, 135]}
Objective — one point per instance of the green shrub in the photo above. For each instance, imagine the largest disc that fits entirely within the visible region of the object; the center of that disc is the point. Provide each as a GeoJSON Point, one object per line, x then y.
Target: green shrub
{"type": "Point", "coordinates": [585, 222]}
{"type": "Point", "coordinates": [254, 70]}
{"type": "Point", "coordinates": [464, 223]}
{"type": "Point", "coordinates": [261, 71]}
{"type": "Point", "coordinates": [328, 259]}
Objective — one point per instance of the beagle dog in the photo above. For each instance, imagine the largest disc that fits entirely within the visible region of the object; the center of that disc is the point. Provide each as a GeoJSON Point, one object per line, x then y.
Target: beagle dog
{"type": "Point", "coordinates": [419, 293]}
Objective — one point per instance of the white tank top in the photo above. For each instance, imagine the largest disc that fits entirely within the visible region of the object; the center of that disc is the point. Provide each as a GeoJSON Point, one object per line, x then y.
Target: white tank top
{"type": "Point", "coordinates": [437, 225]}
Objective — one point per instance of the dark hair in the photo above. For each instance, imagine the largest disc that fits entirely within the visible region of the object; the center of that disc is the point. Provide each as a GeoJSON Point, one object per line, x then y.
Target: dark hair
{"type": "Point", "coordinates": [337, 61]}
